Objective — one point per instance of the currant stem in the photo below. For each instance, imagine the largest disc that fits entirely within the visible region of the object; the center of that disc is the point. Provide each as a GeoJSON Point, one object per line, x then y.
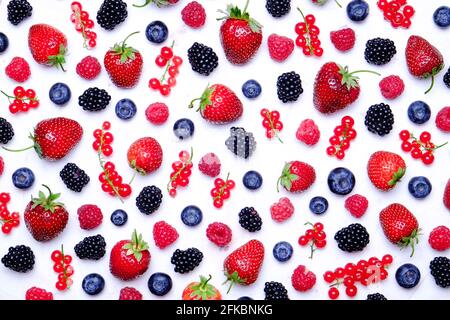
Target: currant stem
{"type": "Point", "coordinates": [312, 249]}
{"type": "Point", "coordinates": [440, 146]}
{"type": "Point", "coordinates": [337, 2]}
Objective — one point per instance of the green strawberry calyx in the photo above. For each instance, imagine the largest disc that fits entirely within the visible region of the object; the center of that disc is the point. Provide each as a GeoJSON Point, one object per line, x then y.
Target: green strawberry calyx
{"type": "Point", "coordinates": [397, 176]}
{"type": "Point", "coordinates": [135, 246]}
{"type": "Point", "coordinates": [411, 240]}
{"type": "Point", "coordinates": [205, 99]}
{"type": "Point", "coordinates": [233, 12]}
{"type": "Point", "coordinates": [126, 53]}
{"type": "Point", "coordinates": [349, 79]}
{"type": "Point", "coordinates": [59, 59]}
{"type": "Point", "coordinates": [233, 278]}
{"type": "Point", "coordinates": [286, 178]}
{"type": "Point", "coordinates": [159, 3]}
{"type": "Point", "coordinates": [49, 202]}
{"type": "Point", "coordinates": [432, 74]}
{"type": "Point", "coordinates": [203, 290]}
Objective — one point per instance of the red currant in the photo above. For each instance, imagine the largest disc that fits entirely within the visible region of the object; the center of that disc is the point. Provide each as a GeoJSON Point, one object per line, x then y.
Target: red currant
{"type": "Point", "coordinates": [329, 276]}
{"type": "Point", "coordinates": [351, 291]}
{"type": "Point", "coordinates": [333, 293]}
{"type": "Point", "coordinates": [154, 83]}
{"type": "Point", "coordinates": [303, 241]}
{"type": "Point", "coordinates": [160, 61]}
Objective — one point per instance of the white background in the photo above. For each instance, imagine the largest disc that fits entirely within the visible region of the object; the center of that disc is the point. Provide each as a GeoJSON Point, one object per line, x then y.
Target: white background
{"type": "Point", "coordinates": [268, 159]}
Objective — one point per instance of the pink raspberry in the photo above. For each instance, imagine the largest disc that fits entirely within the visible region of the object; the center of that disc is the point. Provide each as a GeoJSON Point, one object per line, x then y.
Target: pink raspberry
{"type": "Point", "coordinates": [280, 48]}
{"type": "Point", "coordinates": [157, 113]}
{"type": "Point", "coordinates": [439, 238]}
{"type": "Point", "coordinates": [443, 119]}
{"type": "Point", "coordinates": [282, 210]}
{"type": "Point", "coordinates": [164, 234]}
{"type": "Point", "coordinates": [90, 216]}
{"type": "Point", "coordinates": [193, 14]}
{"type": "Point", "coordinates": [356, 205]}
{"type": "Point", "coordinates": [219, 233]}
{"type": "Point", "coordinates": [302, 279]}
{"type": "Point", "coordinates": [308, 132]}
{"type": "Point", "coordinates": [392, 87]}
{"type": "Point", "coordinates": [18, 69]}
{"type": "Point", "coordinates": [210, 165]}
{"type": "Point", "coordinates": [88, 68]}
{"type": "Point", "coordinates": [343, 39]}
{"type": "Point", "coordinates": [130, 293]}
{"type": "Point", "coordinates": [36, 293]}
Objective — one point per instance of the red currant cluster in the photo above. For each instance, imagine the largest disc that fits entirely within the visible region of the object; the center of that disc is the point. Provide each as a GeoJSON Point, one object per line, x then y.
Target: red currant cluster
{"type": "Point", "coordinates": [271, 122]}
{"type": "Point", "coordinates": [316, 236]}
{"type": "Point", "coordinates": [166, 59]}
{"type": "Point", "coordinates": [308, 36]}
{"type": "Point", "coordinates": [397, 12]}
{"type": "Point", "coordinates": [343, 134]}
{"type": "Point", "coordinates": [8, 220]}
{"type": "Point", "coordinates": [365, 272]}
{"type": "Point", "coordinates": [82, 24]}
{"type": "Point", "coordinates": [181, 172]}
{"type": "Point", "coordinates": [63, 268]}
{"type": "Point", "coordinates": [23, 100]}
{"type": "Point", "coordinates": [221, 191]}
{"type": "Point", "coordinates": [421, 148]}
{"type": "Point", "coordinates": [103, 140]}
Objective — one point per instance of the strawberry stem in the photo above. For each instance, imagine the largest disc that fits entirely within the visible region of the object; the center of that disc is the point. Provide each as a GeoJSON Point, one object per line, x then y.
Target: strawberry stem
{"type": "Point", "coordinates": [18, 150]}
{"type": "Point", "coordinates": [246, 6]}
{"type": "Point", "coordinates": [369, 71]}
{"type": "Point", "coordinates": [432, 84]}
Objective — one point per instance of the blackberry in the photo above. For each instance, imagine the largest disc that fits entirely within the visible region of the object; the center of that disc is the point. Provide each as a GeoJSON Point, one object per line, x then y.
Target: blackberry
{"type": "Point", "coordinates": [91, 248]}
{"type": "Point", "coordinates": [249, 219]}
{"type": "Point", "coordinates": [379, 119]}
{"type": "Point", "coordinates": [440, 270]}
{"type": "Point", "coordinates": [19, 258]}
{"type": "Point", "coordinates": [447, 78]}
{"type": "Point", "coordinates": [149, 199]}
{"type": "Point", "coordinates": [111, 14]}
{"type": "Point", "coordinates": [275, 291]}
{"type": "Point", "coordinates": [73, 177]}
{"type": "Point", "coordinates": [186, 260]}
{"type": "Point", "coordinates": [278, 8]}
{"type": "Point", "coordinates": [94, 99]}
{"type": "Point", "coordinates": [18, 10]}
{"type": "Point", "coordinates": [289, 87]}
{"type": "Point", "coordinates": [202, 58]}
{"type": "Point", "coordinates": [379, 51]}
{"type": "Point", "coordinates": [376, 297]}
{"type": "Point", "coordinates": [352, 238]}
{"type": "Point", "coordinates": [6, 131]}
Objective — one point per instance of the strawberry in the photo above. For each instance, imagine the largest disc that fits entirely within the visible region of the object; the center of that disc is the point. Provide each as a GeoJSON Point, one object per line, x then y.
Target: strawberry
{"type": "Point", "coordinates": [335, 87]}
{"type": "Point", "coordinates": [385, 169]}
{"type": "Point", "coordinates": [48, 45]}
{"type": "Point", "coordinates": [297, 176]}
{"type": "Point", "coordinates": [145, 155]}
{"type": "Point", "coordinates": [129, 258]}
{"type": "Point", "coordinates": [423, 59]}
{"type": "Point", "coordinates": [201, 290]}
{"type": "Point", "coordinates": [280, 48]}
{"type": "Point", "coordinates": [400, 226]}
{"type": "Point", "coordinates": [243, 264]}
{"type": "Point", "coordinates": [123, 64]}
{"type": "Point", "coordinates": [240, 35]}
{"type": "Point", "coordinates": [219, 104]}
{"type": "Point", "coordinates": [44, 217]}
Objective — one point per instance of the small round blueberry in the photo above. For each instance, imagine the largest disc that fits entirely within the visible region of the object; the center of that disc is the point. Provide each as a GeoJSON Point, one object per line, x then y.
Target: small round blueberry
{"type": "Point", "coordinates": [244, 298]}
{"type": "Point", "coordinates": [183, 128]}
{"type": "Point", "coordinates": [119, 217]}
{"type": "Point", "coordinates": [157, 32]}
{"type": "Point", "coordinates": [282, 251]}
{"type": "Point", "coordinates": [125, 109]}
{"type": "Point", "coordinates": [59, 93]}
{"type": "Point", "coordinates": [419, 187]}
{"type": "Point", "coordinates": [341, 181]}
{"type": "Point", "coordinates": [318, 205]}
{"type": "Point", "coordinates": [419, 112]}
{"type": "Point", "coordinates": [191, 216]}
{"type": "Point", "coordinates": [93, 284]}
{"type": "Point", "coordinates": [159, 284]}
{"type": "Point", "coordinates": [357, 10]}
{"type": "Point", "coordinates": [252, 180]}
{"type": "Point", "coordinates": [442, 17]}
{"type": "Point", "coordinates": [407, 276]}
{"type": "Point", "coordinates": [251, 89]}
{"type": "Point", "coordinates": [23, 178]}
{"type": "Point", "coordinates": [4, 42]}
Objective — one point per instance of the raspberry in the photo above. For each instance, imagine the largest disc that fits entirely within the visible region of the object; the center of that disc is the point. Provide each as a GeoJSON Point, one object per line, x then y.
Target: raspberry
{"type": "Point", "coordinates": [129, 293]}
{"type": "Point", "coordinates": [443, 119]}
{"type": "Point", "coordinates": [303, 279]}
{"type": "Point", "coordinates": [157, 113]}
{"type": "Point", "coordinates": [282, 210]}
{"type": "Point", "coordinates": [164, 234]}
{"type": "Point", "coordinates": [440, 238]}
{"type": "Point", "coordinates": [36, 293]}
{"type": "Point", "coordinates": [90, 216]}
{"type": "Point", "coordinates": [18, 69]}
{"type": "Point", "coordinates": [356, 205]}
{"type": "Point", "coordinates": [210, 165]}
{"type": "Point", "coordinates": [2, 165]}
{"type": "Point", "coordinates": [343, 39]}
{"type": "Point", "coordinates": [219, 234]}
{"type": "Point", "coordinates": [193, 14]}
{"type": "Point", "coordinates": [447, 195]}
{"type": "Point", "coordinates": [391, 87]}
{"type": "Point", "coordinates": [88, 68]}
{"type": "Point", "coordinates": [280, 48]}
{"type": "Point", "coordinates": [308, 132]}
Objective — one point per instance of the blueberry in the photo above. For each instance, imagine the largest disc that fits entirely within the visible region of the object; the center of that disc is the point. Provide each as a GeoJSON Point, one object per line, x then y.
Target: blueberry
{"type": "Point", "coordinates": [159, 283]}
{"type": "Point", "coordinates": [183, 128]}
{"type": "Point", "coordinates": [442, 16]}
{"type": "Point", "coordinates": [357, 10]}
{"type": "Point", "coordinates": [245, 298]}
{"type": "Point", "coordinates": [407, 276]}
{"type": "Point", "coordinates": [93, 284]}
{"type": "Point", "coordinates": [282, 251]}
{"type": "Point", "coordinates": [251, 89]}
{"type": "Point", "coordinates": [419, 187]}
{"type": "Point", "coordinates": [4, 42]}
{"type": "Point", "coordinates": [59, 93]}
{"type": "Point", "coordinates": [23, 178]}
{"type": "Point", "coordinates": [191, 216]}
{"type": "Point", "coordinates": [419, 112]}
{"type": "Point", "coordinates": [157, 32]}
{"type": "Point", "coordinates": [318, 205]}
{"type": "Point", "coordinates": [341, 181]}
{"type": "Point", "coordinates": [125, 109]}
{"type": "Point", "coordinates": [252, 180]}
{"type": "Point", "coordinates": [119, 217]}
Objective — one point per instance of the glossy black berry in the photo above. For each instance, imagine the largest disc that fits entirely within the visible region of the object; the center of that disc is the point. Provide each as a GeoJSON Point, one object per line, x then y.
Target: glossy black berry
{"type": "Point", "coordinates": [94, 99]}
{"type": "Point", "coordinates": [249, 219]}
{"type": "Point", "coordinates": [73, 177]}
{"type": "Point", "coordinates": [91, 248]}
{"type": "Point", "coordinates": [275, 291]}
{"type": "Point", "coordinates": [202, 58]}
{"type": "Point", "coordinates": [379, 51]}
{"type": "Point", "coordinates": [149, 199]}
{"type": "Point", "coordinates": [447, 78]}
{"type": "Point", "coordinates": [19, 258]}
{"type": "Point", "coordinates": [18, 10]}
{"type": "Point", "coordinates": [379, 119]}
{"type": "Point", "coordinates": [352, 238]}
{"type": "Point", "coordinates": [186, 260]}
{"type": "Point", "coordinates": [289, 87]}
{"type": "Point", "coordinates": [440, 270]}
{"type": "Point", "coordinates": [6, 131]}
{"type": "Point", "coordinates": [278, 8]}
{"type": "Point", "coordinates": [376, 297]}
{"type": "Point", "coordinates": [111, 14]}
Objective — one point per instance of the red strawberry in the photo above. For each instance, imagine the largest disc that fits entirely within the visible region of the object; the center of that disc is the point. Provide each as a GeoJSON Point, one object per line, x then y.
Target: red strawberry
{"type": "Point", "coordinates": [447, 195]}
{"type": "Point", "coordinates": [145, 155]}
{"type": "Point", "coordinates": [123, 64]}
{"type": "Point", "coordinates": [302, 279]}
{"type": "Point", "coordinates": [423, 59]}
{"type": "Point", "coordinates": [297, 176]}
{"type": "Point", "coordinates": [400, 226]}
{"type": "Point", "coordinates": [385, 169]}
{"type": "Point", "coordinates": [335, 88]}
{"type": "Point", "coordinates": [240, 35]}
{"type": "Point", "coordinates": [129, 258]}
{"type": "Point", "coordinates": [164, 234]}
{"type": "Point", "coordinates": [219, 104]}
{"type": "Point", "coordinates": [439, 238]}
{"type": "Point", "coordinates": [280, 48]}
{"type": "Point", "coordinates": [44, 217]}
{"type": "Point", "coordinates": [243, 264]}
{"type": "Point", "coordinates": [47, 44]}
{"type": "Point", "coordinates": [201, 290]}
